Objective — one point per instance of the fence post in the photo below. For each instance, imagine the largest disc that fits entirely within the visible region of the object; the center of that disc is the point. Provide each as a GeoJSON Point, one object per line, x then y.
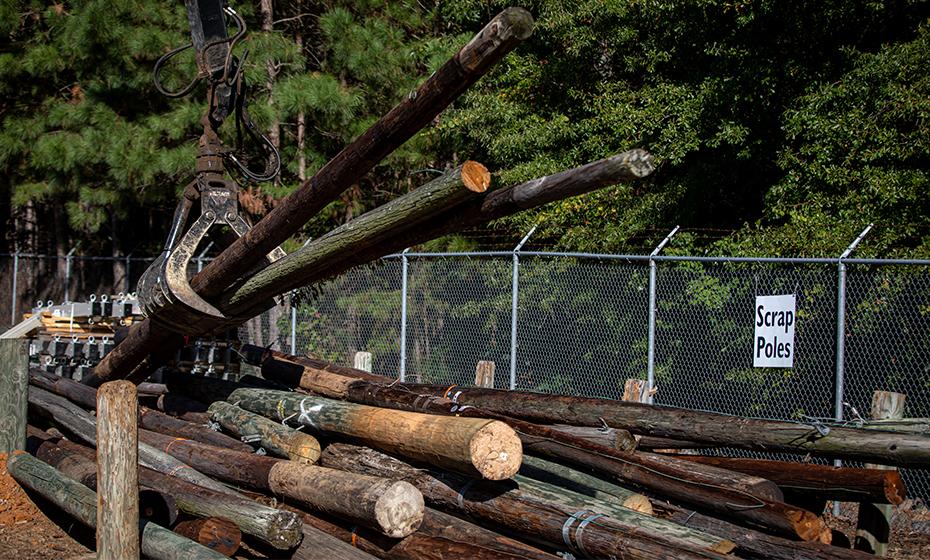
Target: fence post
{"type": "Point", "coordinates": [117, 472]}
{"type": "Point", "coordinates": [68, 258]}
{"type": "Point", "coordinates": [14, 304]}
{"type": "Point", "coordinates": [651, 341]}
{"type": "Point", "coordinates": [515, 290]}
{"type": "Point", "coordinates": [128, 274]}
{"type": "Point", "coordinates": [839, 377]}
{"type": "Point", "coordinates": [403, 316]}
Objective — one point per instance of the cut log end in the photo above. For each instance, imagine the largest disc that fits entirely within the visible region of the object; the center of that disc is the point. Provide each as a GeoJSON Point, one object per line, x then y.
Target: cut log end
{"type": "Point", "coordinates": [284, 530]}
{"type": "Point", "coordinates": [496, 451]}
{"type": "Point", "coordinates": [640, 503]}
{"type": "Point", "coordinates": [305, 451]}
{"type": "Point", "coordinates": [809, 526]}
{"type": "Point", "coordinates": [399, 510]}
{"type": "Point", "coordinates": [215, 533]}
{"type": "Point", "coordinates": [517, 22]}
{"type": "Point", "coordinates": [475, 176]}
{"type": "Point", "coordinates": [894, 488]}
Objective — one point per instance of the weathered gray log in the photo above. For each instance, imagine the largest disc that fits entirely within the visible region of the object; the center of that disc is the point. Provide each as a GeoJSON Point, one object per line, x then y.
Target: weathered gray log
{"type": "Point", "coordinates": [502, 505]}
{"type": "Point", "coordinates": [318, 544]}
{"type": "Point", "coordinates": [499, 37]}
{"type": "Point", "coordinates": [394, 508]}
{"type": "Point", "coordinates": [276, 528]}
{"type": "Point", "coordinates": [827, 482]}
{"type": "Point", "coordinates": [585, 484]}
{"type": "Point", "coordinates": [364, 232]}
{"type": "Point", "coordinates": [117, 472]}
{"type": "Point", "coordinates": [149, 418]}
{"type": "Point", "coordinates": [214, 533]}
{"type": "Point", "coordinates": [477, 447]}
{"type": "Point", "coordinates": [274, 437]}
{"type": "Point", "coordinates": [873, 527]}
{"type": "Point", "coordinates": [78, 422]}
{"type": "Point", "coordinates": [80, 502]}
{"type": "Point", "coordinates": [608, 437]}
{"type": "Point", "coordinates": [439, 537]}
{"type": "Point", "coordinates": [14, 366]}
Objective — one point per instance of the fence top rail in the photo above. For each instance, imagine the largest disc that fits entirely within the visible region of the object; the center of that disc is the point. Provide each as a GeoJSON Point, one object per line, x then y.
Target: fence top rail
{"type": "Point", "coordinates": [669, 258]}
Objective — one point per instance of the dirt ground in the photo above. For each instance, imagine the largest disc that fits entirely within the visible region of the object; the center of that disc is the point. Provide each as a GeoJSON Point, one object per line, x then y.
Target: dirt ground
{"type": "Point", "coordinates": [26, 533]}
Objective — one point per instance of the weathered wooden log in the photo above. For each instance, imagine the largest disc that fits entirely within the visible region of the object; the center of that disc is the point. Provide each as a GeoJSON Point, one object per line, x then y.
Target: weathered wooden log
{"type": "Point", "coordinates": [440, 536]}
{"type": "Point", "coordinates": [650, 443]}
{"type": "Point", "coordinates": [318, 544]}
{"type": "Point", "coordinates": [749, 500]}
{"type": "Point", "coordinates": [14, 366]}
{"type": "Point", "coordinates": [150, 419]}
{"type": "Point", "coordinates": [873, 526]}
{"type": "Point", "coordinates": [501, 504]}
{"type": "Point", "coordinates": [117, 472]}
{"type": "Point", "coordinates": [175, 405]}
{"type": "Point", "coordinates": [477, 447]}
{"type": "Point", "coordinates": [585, 484]}
{"type": "Point", "coordinates": [757, 545]}
{"type": "Point", "coordinates": [844, 484]}
{"type": "Point", "coordinates": [608, 437]}
{"type": "Point", "coordinates": [275, 438]}
{"type": "Point", "coordinates": [394, 508]}
{"type": "Point", "coordinates": [720, 429]}
{"type": "Point", "coordinates": [80, 502]}
{"type": "Point", "coordinates": [81, 424]}
{"type": "Point", "coordinates": [276, 528]}
{"type": "Point", "coordinates": [499, 37]}
{"type": "Point", "coordinates": [214, 533]}
{"type": "Point", "coordinates": [154, 505]}
{"type": "Point", "coordinates": [315, 259]}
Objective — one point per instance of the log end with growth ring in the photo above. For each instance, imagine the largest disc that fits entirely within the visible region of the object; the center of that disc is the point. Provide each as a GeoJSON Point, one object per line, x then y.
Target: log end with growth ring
{"type": "Point", "coordinates": [810, 527]}
{"type": "Point", "coordinates": [475, 176]}
{"type": "Point", "coordinates": [496, 451]}
{"type": "Point", "coordinates": [399, 510]}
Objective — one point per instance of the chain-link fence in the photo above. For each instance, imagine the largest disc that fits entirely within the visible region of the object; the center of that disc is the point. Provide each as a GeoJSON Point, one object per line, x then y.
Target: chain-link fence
{"type": "Point", "coordinates": [581, 324]}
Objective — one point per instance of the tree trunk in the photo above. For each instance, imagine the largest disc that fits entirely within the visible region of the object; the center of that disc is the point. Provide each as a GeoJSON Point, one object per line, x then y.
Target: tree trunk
{"type": "Point", "coordinates": [827, 482]}
{"type": "Point", "coordinates": [498, 38]}
{"type": "Point", "coordinates": [477, 447]}
{"type": "Point", "coordinates": [80, 502]}
{"type": "Point", "coordinates": [275, 438]}
{"type": "Point", "coordinates": [502, 505]}
{"type": "Point", "coordinates": [395, 508]}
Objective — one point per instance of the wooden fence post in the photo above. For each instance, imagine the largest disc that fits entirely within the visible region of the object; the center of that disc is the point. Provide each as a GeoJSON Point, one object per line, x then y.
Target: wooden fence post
{"type": "Point", "coordinates": [363, 361]}
{"type": "Point", "coordinates": [484, 374]}
{"type": "Point", "coordinates": [874, 524]}
{"type": "Point", "coordinates": [117, 472]}
{"type": "Point", "coordinates": [14, 380]}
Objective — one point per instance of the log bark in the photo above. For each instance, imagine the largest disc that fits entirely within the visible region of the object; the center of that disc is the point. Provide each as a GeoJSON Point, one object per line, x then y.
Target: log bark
{"type": "Point", "coordinates": [315, 259]}
{"type": "Point", "coordinates": [584, 484]}
{"type": "Point", "coordinates": [395, 508]}
{"type": "Point", "coordinates": [275, 438]}
{"type": "Point", "coordinates": [503, 506]}
{"type": "Point", "coordinates": [81, 424]}
{"type": "Point", "coordinates": [117, 472]}
{"type": "Point", "coordinates": [499, 37]}
{"type": "Point", "coordinates": [80, 502]}
{"type": "Point", "coordinates": [608, 437]}
{"type": "Point", "coordinates": [873, 527]}
{"type": "Point", "coordinates": [749, 500]}
{"type": "Point", "coordinates": [907, 450]}
{"type": "Point", "coordinates": [214, 533]}
{"type": "Point", "coordinates": [279, 529]}
{"type": "Point", "coordinates": [440, 537]}
{"type": "Point", "coordinates": [477, 447]}
{"type": "Point", "coordinates": [149, 419]}
{"type": "Point", "coordinates": [317, 544]}
{"type": "Point", "coordinates": [14, 366]}
{"type": "Point", "coordinates": [827, 482]}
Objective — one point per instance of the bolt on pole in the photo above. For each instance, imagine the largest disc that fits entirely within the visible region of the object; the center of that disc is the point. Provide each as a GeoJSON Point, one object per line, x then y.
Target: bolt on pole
{"type": "Point", "coordinates": [515, 290]}
{"type": "Point", "coordinates": [651, 352]}
{"type": "Point", "coordinates": [403, 316]}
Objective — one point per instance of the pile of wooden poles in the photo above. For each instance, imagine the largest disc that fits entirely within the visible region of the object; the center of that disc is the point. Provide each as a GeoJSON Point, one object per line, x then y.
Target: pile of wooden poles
{"type": "Point", "coordinates": [312, 456]}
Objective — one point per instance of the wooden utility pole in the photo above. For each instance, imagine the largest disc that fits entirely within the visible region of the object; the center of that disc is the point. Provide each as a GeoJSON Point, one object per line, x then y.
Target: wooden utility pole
{"type": "Point", "coordinates": [117, 472]}
{"type": "Point", "coordinates": [362, 361]}
{"type": "Point", "coordinates": [14, 378]}
{"type": "Point", "coordinates": [874, 525]}
{"type": "Point", "coordinates": [484, 374]}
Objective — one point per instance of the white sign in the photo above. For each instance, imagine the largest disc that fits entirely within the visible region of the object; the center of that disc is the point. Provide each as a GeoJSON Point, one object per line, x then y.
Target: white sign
{"type": "Point", "coordinates": [775, 318]}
